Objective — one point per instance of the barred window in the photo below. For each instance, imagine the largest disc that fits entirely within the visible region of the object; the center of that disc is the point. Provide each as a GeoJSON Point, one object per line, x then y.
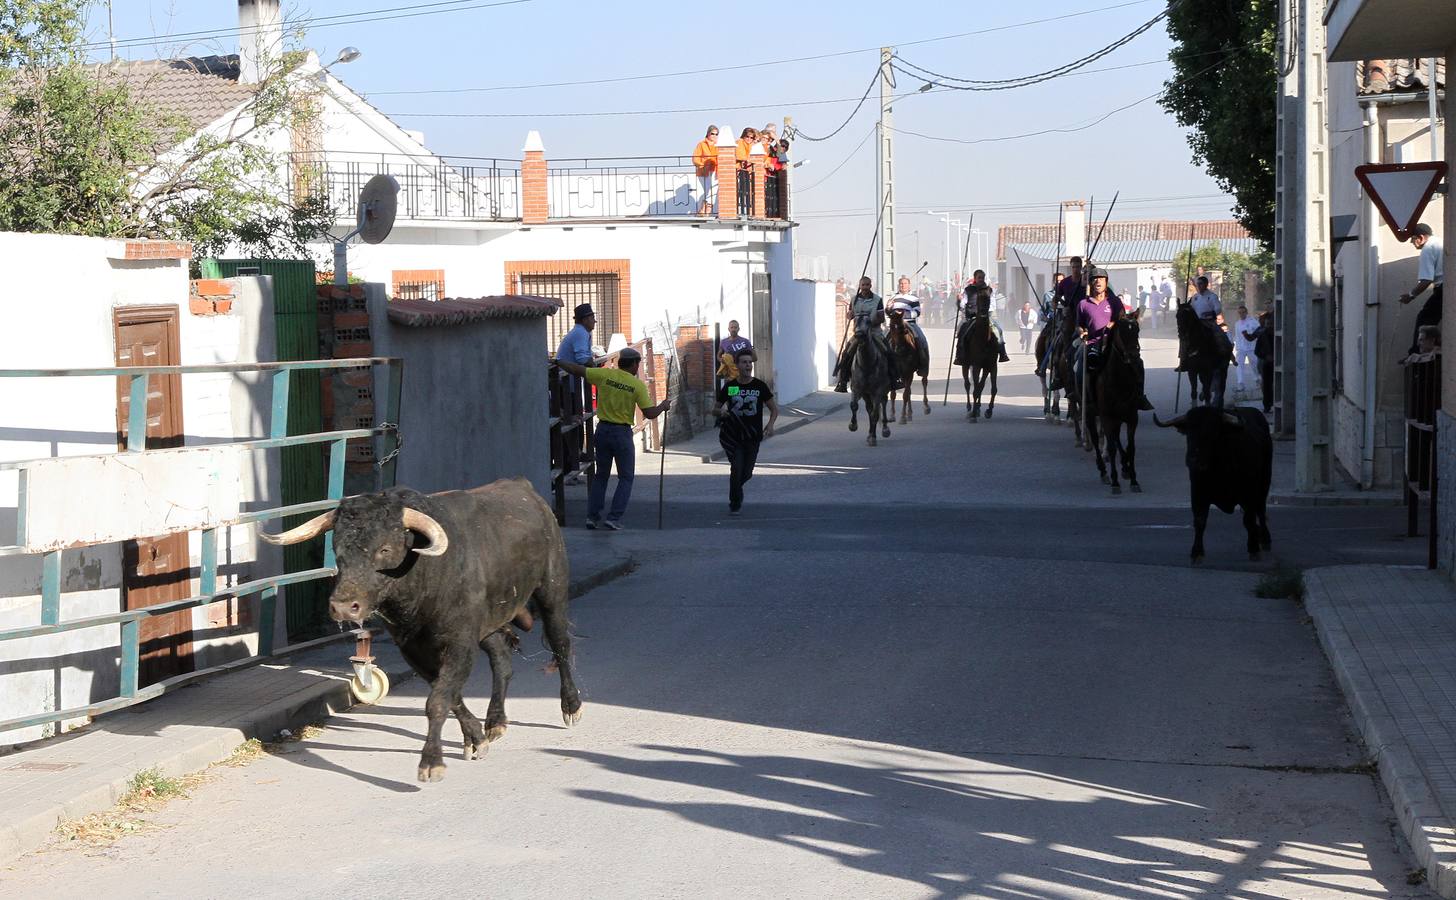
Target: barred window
{"type": "Point", "coordinates": [601, 290]}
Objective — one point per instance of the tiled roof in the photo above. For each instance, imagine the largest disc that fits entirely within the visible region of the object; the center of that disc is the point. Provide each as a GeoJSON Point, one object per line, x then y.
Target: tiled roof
{"type": "Point", "coordinates": [1394, 76]}
{"type": "Point", "coordinates": [1128, 230]}
{"type": "Point", "coordinates": [1110, 253]}
{"type": "Point", "coordinates": [450, 311]}
{"type": "Point", "coordinates": [199, 89]}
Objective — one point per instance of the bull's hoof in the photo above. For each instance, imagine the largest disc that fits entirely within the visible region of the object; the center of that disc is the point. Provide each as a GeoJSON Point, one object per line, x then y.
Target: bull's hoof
{"type": "Point", "coordinates": [854, 426]}
{"type": "Point", "coordinates": [476, 740]}
{"type": "Point", "coordinates": [493, 733]}
{"type": "Point", "coordinates": [432, 772]}
{"type": "Point", "coordinates": [571, 718]}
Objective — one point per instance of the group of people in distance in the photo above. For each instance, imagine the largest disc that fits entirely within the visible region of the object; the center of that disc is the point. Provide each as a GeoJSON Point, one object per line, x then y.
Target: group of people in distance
{"type": "Point", "coordinates": [741, 402]}
{"type": "Point", "coordinates": [705, 166]}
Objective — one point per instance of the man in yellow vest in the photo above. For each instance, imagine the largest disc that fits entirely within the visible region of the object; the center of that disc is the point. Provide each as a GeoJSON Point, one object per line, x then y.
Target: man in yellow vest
{"type": "Point", "coordinates": [619, 394]}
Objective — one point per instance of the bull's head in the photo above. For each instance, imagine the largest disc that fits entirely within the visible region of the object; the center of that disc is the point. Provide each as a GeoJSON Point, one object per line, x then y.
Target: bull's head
{"type": "Point", "coordinates": [375, 542]}
{"type": "Point", "coordinates": [1205, 427]}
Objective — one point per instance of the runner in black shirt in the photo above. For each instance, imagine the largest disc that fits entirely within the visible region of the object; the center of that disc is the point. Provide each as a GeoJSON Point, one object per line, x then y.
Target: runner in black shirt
{"type": "Point", "coordinates": [740, 429]}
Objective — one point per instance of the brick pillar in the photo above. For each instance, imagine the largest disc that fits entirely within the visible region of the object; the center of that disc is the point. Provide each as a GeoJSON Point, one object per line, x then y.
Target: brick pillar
{"type": "Point", "coordinates": [784, 193]}
{"type": "Point", "coordinates": [758, 159]}
{"type": "Point", "coordinates": [727, 175]}
{"type": "Point", "coordinates": [535, 207]}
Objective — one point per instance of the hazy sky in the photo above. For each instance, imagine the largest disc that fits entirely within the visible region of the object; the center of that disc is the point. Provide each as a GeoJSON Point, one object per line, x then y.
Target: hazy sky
{"type": "Point", "coordinates": [1141, 151]}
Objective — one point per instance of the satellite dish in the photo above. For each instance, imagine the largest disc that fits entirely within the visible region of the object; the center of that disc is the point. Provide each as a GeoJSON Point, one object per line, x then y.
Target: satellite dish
{"type": "Point", "coordinates": [374, 219]}
{"type": "Point", "coordinates": [377, 203]}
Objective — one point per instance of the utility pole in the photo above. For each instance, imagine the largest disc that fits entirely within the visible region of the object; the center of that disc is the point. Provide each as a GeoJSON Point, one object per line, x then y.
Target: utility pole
{"type": "Point", "coordinates": [886, 178]}
{"type": "Point", "coordinates": [110, 30]}
{"type": "Point", "coordinates": [1303, 379]}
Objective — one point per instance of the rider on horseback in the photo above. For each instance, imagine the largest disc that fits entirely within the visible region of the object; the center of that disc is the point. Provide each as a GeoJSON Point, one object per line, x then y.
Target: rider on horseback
{"type": "Point", "coordinates": [867, 312]}
{"type": "Point", "coordinates": [976, 303]}
{"type": "Point", "coordinates": [908, 305]}
{"type": "Point", "coordinates": [1096, 316]}
{"type": "Point", "coordinates": [1209, 309]}
{"type": "Point", "coordinates": [1068, 292]}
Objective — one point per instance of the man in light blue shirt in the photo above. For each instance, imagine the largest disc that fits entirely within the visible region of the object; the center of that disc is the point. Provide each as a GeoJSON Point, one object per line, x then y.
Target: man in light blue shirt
{"type": "Point", "coordinates": [576, 346]}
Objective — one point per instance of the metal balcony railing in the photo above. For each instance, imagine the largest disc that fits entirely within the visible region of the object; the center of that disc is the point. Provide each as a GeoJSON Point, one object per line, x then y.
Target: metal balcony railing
{"type": "Point", "coordinates": [430, 187]}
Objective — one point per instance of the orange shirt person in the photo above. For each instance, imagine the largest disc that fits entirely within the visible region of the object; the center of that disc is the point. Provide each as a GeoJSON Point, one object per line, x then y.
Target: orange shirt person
{"type": "Point", "coordinates": [705, 165]}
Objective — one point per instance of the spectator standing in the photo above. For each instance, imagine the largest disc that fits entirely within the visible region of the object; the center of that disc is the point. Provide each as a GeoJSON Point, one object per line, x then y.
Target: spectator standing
{"type": "Point", "coordinates": [741, 429]}
{"type": "Point", "coordinates": [619, 393]}
{"type": "Point", "coordinates": [742, 153]}
{"type": "Point", "coordinates": [705, 165]}
{"type": "Point", "coordinates": [1026, 321]}
{"type": "Point", "coordinates": [1430, 274]}
{"type": "Point", "coordinates": [1244, 331]}
{"type": "Point", "coordinates": [1264, 352]}
{"type": "Point", "coordinates": [729, 348]}
{"type": "Point", "coordinates": [575, 346]}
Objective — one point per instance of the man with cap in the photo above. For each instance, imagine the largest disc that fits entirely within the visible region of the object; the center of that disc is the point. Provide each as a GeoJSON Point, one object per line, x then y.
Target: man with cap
{"type": "Point", "coordinates": [619, 393]}
{"type": "Point", "coordinates": [1430, 274]}
{"type": "Point", "coordinates": [976, 304]}
{"type": "Point", "coordinates": [1096, 314]}
{"type": "Point", "coordinates": [576, 346]}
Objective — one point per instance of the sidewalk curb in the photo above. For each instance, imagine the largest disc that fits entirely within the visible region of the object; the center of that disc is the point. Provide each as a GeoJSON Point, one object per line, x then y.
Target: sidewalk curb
{"type": "Point", "coordinates": [1336, 498]}
{"type": "Point", "coordinates": [1416, 808]}
{"type": "Point", "coordinates": [799, 422]}
{"type": "Point", "coordinates": [329, 697]}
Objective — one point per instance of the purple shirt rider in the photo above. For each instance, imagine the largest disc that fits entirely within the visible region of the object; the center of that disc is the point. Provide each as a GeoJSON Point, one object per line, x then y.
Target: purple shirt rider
{"type": "Point", "coordinates": [1097, 316]}
{"type": "Point", "coordinates": [734, 345]}
{"type": "Point", "coordinates": [1070, 292]}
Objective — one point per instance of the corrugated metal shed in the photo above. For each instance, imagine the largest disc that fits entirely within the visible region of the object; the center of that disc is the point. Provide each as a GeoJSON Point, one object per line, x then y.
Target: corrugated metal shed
{"type": "Point", "coordinates": [1116, 253]}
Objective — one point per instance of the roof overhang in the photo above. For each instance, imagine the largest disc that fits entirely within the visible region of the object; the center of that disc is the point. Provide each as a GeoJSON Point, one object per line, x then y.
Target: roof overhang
{"type": "Point", "coordinates": [1379, 29]}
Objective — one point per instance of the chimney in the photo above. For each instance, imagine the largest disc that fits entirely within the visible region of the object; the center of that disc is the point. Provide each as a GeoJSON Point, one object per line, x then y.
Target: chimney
{"type": "Point", "coordinates": [260, 38]}
{"type": "Point", "coordinates": [1074, 228]}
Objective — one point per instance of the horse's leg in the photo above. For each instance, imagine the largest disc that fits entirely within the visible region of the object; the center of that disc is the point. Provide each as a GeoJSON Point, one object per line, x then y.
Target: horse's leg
{"type": "Point", "coordinates": [906, 399]}
{"type": "Point", "coordinates": [854, 412]}
{"type": "Point", "coordinates": [1111, 438]}
{"type": "Point", "coordinates": [1131, 454]}
{"type": "Point", "coordinates": [925, 392]}
{"type": "Point", "coordinates": [884, 420]}
{"type": "Point", "coordinates": [991, 407]}
{"type": "Point", "coordinates": [966, 379]}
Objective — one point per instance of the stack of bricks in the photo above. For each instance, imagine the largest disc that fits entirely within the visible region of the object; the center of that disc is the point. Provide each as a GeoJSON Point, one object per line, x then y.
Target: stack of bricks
{"type": "Point", "coordinates": [348, 394]}
{"type": "Point", "coordinates": [535, 204]}
{"type": "Point", "coordinates": [210, 297]}
{"type": "Point", "coordinates": [145, 249]}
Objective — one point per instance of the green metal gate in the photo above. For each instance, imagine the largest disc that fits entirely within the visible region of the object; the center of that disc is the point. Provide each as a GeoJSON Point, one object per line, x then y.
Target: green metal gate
{"type": "Point", "coordinates": [295, 318]}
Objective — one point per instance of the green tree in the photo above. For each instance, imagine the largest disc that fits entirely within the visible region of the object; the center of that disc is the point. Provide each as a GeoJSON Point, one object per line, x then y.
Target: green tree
{"type": "Point", "coordinates": [1224, 60]}
{"type": "Point", "coordinates": [84, 154]}
{"type": "Point", "coordinates": [1234, 266]}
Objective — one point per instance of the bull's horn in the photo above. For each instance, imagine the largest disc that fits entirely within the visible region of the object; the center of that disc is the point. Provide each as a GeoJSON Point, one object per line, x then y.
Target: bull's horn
{"type": "Point", "coordinates": [415, 520]}
{"type": "Point", "coordinates": [1171, 423]}
{"type": "Point", "coordinates": [310, 529]}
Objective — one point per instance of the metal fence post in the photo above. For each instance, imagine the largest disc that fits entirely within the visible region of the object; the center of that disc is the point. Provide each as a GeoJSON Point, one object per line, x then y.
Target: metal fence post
{"type": "Point", "coordinates": [389, 441]}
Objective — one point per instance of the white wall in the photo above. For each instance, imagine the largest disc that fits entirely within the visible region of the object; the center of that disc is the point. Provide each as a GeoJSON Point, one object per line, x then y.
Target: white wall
{"type": "Point", "coordinates": [56, 312]}
{"type": "Point", "coordinates": [806, 333]}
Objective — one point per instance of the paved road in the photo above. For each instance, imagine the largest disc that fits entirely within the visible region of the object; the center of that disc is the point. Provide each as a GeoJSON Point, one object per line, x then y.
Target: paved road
{"type": "Point", "coordinates": [951, 665]}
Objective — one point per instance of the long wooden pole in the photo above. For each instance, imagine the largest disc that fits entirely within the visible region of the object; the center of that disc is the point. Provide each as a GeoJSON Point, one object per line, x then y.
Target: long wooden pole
{"type": "Point", "coordinates": [844, 338]}
{"type": "Point", "coordinates": [662, 439]}
{"type": "Point", "coordinates": [956, 322]}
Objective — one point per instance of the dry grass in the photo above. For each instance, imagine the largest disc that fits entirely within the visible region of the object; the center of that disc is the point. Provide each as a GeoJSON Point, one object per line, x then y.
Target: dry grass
{"type": "Point", "coordinates": [149, 790]}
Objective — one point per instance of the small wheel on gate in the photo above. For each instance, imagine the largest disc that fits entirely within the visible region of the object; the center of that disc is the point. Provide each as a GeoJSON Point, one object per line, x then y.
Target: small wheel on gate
{"type": "Point", "coordinates": [378, 686]}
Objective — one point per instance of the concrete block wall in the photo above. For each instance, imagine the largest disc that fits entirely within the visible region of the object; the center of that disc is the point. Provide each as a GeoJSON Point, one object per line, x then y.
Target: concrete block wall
{"type": "Point", "coordinates": [348, 396]}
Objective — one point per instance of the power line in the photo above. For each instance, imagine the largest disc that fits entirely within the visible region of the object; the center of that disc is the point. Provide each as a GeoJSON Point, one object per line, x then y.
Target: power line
{"type": "Point", "coordinates": [1092, 124]}
{"type": "Point", "coordinates": [842, 164]}
{"type": "Point", "coordinates": [799, 135]}
{"type": "Point", "coordinates": [758, 65]}
{"type": "Point", "coordinates": [385, 14]}
{"type": "Point", "coordinates": [1191, 199]}
{"type": "Point", "coordinates": [1006, 84]}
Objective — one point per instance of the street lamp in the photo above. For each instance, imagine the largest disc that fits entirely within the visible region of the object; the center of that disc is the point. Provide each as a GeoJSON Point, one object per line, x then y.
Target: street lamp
{"type": "Point", "coordinates": [346, 55]}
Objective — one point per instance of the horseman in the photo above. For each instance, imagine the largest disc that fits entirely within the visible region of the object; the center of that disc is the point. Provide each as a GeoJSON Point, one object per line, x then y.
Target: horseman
{"type": "Point", "coordinates": [1096, 315]}
{"type": "Point", "coordinates": [976, 304]}
{"type": "Point", "coordinates": [1067, 293]}
{"type": "Point", "coordinates": [908, 305]}
{"type": "Point", "coordinates": [867, 312]}
{"type": "Point", "coordinates": [1209, 310]}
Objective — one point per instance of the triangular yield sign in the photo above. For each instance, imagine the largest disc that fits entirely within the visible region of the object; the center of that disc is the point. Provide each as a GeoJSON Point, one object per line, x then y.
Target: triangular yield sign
{"type": "Point", "coordinates": [1401, 191]}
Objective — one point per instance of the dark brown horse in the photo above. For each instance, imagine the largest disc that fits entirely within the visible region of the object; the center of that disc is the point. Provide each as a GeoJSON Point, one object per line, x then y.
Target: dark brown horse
{"type": "Point", "coordinates": [978, 353]}
{"type": "Point", "coordinates": [1051, 400]}
{"type": "Point", "coordinates": [1118, 387]}
{"type": "Point", "coordinates": [870, 378]}
{"type": "Point", "coordinates": [911, 353]}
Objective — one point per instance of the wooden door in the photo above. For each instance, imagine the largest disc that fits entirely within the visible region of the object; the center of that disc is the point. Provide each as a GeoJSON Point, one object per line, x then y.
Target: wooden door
{"type": "Point", "coordinates": [762, 327]}
{"type": "Point", "coordinates": [155, 570]}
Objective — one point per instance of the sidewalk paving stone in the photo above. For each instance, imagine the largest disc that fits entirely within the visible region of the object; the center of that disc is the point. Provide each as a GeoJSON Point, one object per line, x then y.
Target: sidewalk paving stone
{"type": "Point", "coordinates": [1390, 634]}
{"type": "Point", "coordinates": [192, 727]}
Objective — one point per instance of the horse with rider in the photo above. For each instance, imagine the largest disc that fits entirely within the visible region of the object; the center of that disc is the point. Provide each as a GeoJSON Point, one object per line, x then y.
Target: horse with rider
{"type": "Point", "coordinates": [909, 349]}
{"type": "Point", "coordinates": [865, 362]}
{"type": "Point", "coordinates": [1204, 348]}
{"type": "Point", "coordinates": [980, 345]}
